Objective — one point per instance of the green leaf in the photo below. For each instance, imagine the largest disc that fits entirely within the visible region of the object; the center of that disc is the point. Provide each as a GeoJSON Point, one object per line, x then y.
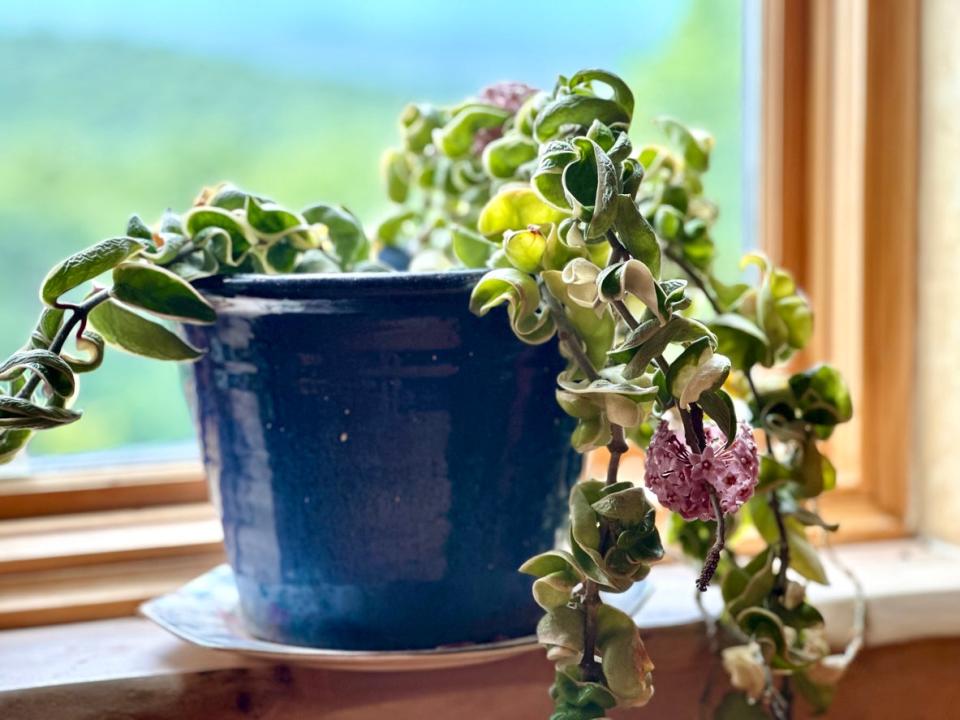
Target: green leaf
{"type": "Point", "coordinates": [395, 168]}
{"type": "Point", "coordinates": [525, 248]}
{"type": "Point", "coordinates": [52, 370]}
{"type": "Point", "coordinates": [626, 664]}
{"type": "Point", "coordinates": [819, 696]}
{"type": "Point", "coordinates": [138, 335]}
{"type": "Point", "coordinates": [629, 506]}
{"type": "Point", "coordinates": [274, 222]}
{"type": "Point", "coordinates": [92, 345]}
{"type": "Point", "coordinates": [637, 235]}
{"type": "Point", "coordinates": [812, 519]}
{"type": "Point", "coordinates": [547, 563]}
{"type": "Point", "coordinates": [739, 339]}
{"type": "Point", "coordinates": [576, 110]}
{"type": "Point", "coordinates": [504, 156]}
{"type": "Point", "coordinates": [697, 370]}
{"type": "Point", "coordinates": [677, 329]}
{"type": "Point", "coordinates": [12, 442]}
{"type": "Point", "coordinates": [282, 256]}
{"type": "Point", "coordinates": [557, 574]}
{"type": "Point", "coordinates": [390, 229]}
{"type": "Point", "coordinates": [719, 406]}
{"type": "Point", "coordinates": [696, 145]}
{"type": "Point", "coordinates": [520, 292]}
{"type": "Point", "coordinates": [763, 625]}
{"type": "Point", "coordinates": [230, 226]}
{"type": "Point", "coordinates": [20, 414]}
{"type": "Point", "coordinates": [635, 278]}
{"type": "Point", "coordinates": [822, 395]}
{"type": "Point", "coordinates": [346, 232]}
{"type": "Point", "coordinates": [418, 121]}
{"type": "Point", "coordinates": [668, 221]}
{"type": "Point", "coordinates": [622, 94]}
{"type": "Point", "coordinates": [160, 292]}
{"type": "Point", "coordinates": [558, 253]}
{"type": "Point", "coordinates": [456, 138]}
{"type": "Point", "coordinates": [583, 519]}
{"type": "Point", "coordinates": [578, 700]}
{"type": "Point", "coordinates": [751, 585]}
{"type": "Point", "coordinates": [86, 265]}
{"type": "Point", "coordinates": [562, 627]}
{"type": "Point", "coordinates": [814, 470]}
{"type": "Point", "coordinates": [547, 179]}
{"type": "Point", "coordinates": [137, 228]}
{"type": "Point", "coordinates": [50, 322]}
{"type": "Point", "coordinates": [803, 556]}
{"type": "Point", "coordinates": [735, 706]}
{"type": "Point", "coordinates": [228, 197]}
{"type": "Point", "coordinates": [621, 400]}
{"type": "Point", "coordinates": [515, 207]}
{"type": "Point", "coordinates": [591, 187]}
{"type": "Point", "coordinates": [472, 249]}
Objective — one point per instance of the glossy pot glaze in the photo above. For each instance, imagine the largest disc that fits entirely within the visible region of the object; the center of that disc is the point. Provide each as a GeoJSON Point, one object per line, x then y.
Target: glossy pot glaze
{"type": "Point", "coordinates": [382, 459]}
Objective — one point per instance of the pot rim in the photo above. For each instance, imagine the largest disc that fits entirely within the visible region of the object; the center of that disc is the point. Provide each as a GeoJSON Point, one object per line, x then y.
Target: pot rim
{"type": "Point", "coordinates": [310, 286]}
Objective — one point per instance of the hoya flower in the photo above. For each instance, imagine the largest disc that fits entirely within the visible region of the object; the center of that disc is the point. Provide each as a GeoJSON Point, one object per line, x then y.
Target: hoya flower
{"type": "Point", "coordinates": [681, 479]}
{"type": "Point", "coordinates": [744, 664]}
{"type": "Point", "coordinates": [506, 95]}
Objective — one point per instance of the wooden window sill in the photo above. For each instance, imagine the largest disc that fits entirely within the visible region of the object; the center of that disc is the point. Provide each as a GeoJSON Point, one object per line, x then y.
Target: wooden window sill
{"type": "Point", "coordinates": [129, 668]}
{"type": "Point", "coordinates": [101, 559]}
{"type": "Point", "coordinates": [101, 564]}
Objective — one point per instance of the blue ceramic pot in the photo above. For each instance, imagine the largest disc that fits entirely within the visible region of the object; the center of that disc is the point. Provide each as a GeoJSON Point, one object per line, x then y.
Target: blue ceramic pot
{"type": "Point", "coordinates": [383, 460]}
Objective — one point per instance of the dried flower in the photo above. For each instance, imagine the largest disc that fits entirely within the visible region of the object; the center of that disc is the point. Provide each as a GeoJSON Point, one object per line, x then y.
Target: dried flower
{"type": "Point", "coordinates": [681, 479]}
{"type": "Point", "coordinates": [744, 664]}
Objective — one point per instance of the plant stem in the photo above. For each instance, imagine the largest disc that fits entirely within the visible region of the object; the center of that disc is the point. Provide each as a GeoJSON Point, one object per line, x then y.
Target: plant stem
{"type": "Point", "coordinates": [78, 317]}
{"type": "Point", "coordinates": [623, 311]}
{"type": "Point", "coordinates": [695, 278]}
{"type": "Point", "coordinates": [784, 550]}
{"type": "Point", "coordinates": [568, 336]}
{"type": "Point", "coordinates": [590, 669]}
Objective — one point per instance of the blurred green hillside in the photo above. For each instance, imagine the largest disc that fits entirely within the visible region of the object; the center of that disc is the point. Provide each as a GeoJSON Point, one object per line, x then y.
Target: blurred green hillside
{"type": "Point", "coordinates": [94, 130]}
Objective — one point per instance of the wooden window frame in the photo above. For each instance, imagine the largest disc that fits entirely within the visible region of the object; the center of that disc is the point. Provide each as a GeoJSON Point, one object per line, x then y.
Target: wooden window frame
{"type": "Point", "coordinates": [836, 77]}
{"type": "Point", "coordinates": [841, 77]}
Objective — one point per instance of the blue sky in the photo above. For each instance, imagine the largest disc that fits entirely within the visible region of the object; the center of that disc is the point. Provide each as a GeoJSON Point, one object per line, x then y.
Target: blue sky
{"type": "Point", "coordinates": [418, 44]}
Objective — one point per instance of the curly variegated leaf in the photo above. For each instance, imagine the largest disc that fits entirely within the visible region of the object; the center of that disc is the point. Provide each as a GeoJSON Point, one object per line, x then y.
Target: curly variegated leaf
{"type": "Point", "coordinates": [623, 402]}
{"type": "Point", "coordinates": [697, 370]}
{"type": "Point", "coordinates": [530, 321]}
{"type": "Point", "coordinates": [52, 370]}
{"type": "Point", "coordinates": [634, 278]}
{"type": "Point", "coordinates": [20, 414]}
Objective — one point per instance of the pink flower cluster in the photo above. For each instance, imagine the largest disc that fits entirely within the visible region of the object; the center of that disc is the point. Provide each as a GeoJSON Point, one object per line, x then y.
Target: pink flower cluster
{"type": "Point", "coordinates": [681, 478]}
{"type": "Point", "coordinates": [507, 95]}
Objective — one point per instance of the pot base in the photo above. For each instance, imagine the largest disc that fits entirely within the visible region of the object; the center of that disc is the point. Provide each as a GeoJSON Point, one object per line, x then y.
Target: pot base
{"type": "Point", "coordinates": [205, 612]}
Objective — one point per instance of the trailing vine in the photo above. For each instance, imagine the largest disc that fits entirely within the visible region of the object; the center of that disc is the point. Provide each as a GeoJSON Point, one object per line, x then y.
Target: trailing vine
{"type": "Point", "coordinates": [228, 231]}
{"type": "Point", "coordinates": [610, 250]}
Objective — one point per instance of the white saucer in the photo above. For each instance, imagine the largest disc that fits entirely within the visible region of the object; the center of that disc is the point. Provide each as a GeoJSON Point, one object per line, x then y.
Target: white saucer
{"type": "Point", "coordinates": [206, 612]}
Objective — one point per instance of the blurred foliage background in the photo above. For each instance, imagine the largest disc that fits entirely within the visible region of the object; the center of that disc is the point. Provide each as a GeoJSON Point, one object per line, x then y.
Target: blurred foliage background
{"type": "Point", "coordinates": [111, 107]}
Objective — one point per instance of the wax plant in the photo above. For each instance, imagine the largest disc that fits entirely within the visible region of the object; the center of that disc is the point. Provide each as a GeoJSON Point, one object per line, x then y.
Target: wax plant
{"type": "Point", "coordinates": [609, 250]}
{"type": "Point", "coordinates": [228, 231]}
{"type": "Point", "coordinates": [450, 163]}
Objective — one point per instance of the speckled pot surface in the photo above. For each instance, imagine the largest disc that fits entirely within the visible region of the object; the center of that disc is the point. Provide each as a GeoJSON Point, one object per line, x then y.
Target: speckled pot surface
{"type": "Point", "coordinates": [382, 459]}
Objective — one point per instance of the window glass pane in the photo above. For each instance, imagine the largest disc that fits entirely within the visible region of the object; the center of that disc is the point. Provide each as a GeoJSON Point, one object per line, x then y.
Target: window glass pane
{"type": "Point", "coordinates": [112, 107]}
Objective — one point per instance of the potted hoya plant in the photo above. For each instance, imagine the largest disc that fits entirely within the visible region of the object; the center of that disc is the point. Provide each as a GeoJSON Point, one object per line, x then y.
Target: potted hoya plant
{"type": "Point", "coordinates": [385, 455]}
